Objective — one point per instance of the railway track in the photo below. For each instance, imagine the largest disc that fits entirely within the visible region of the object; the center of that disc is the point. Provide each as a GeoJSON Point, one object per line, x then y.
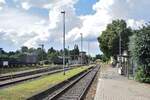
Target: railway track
{"type": "Point", "coordinates": [72, 89]}
{"type": "Point", "coordinates": [8, 76]}
{"type": "Point", "coordinates": [26, 76]}
{"type": "Point", "coordinates": [77, 89]}
{"type": "Point", "coordinates": [29, 72]}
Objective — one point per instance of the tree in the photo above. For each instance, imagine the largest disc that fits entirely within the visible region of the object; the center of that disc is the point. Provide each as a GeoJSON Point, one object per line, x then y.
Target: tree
{"type": "Point", "coordinates": [142, 46]}
{"type": "Point", "coordinates": [42, 55]}
{"type": "Point", "coordinates": [102, 57]}
{"type": "Point", "coordinates": [24, 49]}
{"type": "Point", "coordinates": [51, 50]}
{"type": "Point", "coordinates": [76, 49]}
{"type": "Point", "coordinates": [109, 39]}
{"type": "Point", "coordinates": [52, 55]}
{"type": "Point", "coordinates": [140, 51]}
{"type": "Point", "coordinates": [3, 54]}
{"type": "Point", "coordinates": [75, 52]}
{"type": "Point", "coordinates": [98, 56]}
{"type": "Point", "coordinates": [31, 50]}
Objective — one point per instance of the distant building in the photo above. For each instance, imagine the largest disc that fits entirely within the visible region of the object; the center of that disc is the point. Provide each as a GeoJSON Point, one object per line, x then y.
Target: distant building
{"type": "Point", "coordinates": [30, 58]}
{"type": "Point", "coordinates": [77, 59]}
{"type": "Point", "coordinates": [70, 60]}
{"type": "Point", "coordinates": [82, 58]}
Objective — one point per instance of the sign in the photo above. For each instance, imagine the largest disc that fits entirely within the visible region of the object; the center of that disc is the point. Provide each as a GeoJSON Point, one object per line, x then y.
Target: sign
{"type": "Point", "coordinates": [5, 63]}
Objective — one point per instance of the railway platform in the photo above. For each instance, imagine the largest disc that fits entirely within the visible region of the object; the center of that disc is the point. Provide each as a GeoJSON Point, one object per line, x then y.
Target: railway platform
{"type": "Point", "coordinates": [112, 86]}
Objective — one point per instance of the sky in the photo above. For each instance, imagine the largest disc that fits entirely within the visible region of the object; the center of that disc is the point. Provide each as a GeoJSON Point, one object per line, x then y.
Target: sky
{"type": "Point", "coordinates": [33, 22]}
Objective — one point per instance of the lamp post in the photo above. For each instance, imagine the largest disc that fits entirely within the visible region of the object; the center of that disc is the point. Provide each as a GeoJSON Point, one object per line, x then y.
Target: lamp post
{"type": "Point", "coordinates": [63, 13]}
{"type": "Point", "coordinates": [88, 53]}
{"type": "Point", "coordinates": [81, 46]}
{"type": "Point", "coordinates": [68, 56]}
{"type": "Point", "coordinates": [120, 70]}
{"type": "Point", "coordinates": [1, 70]}
{"type": "Point", "coordinates": [120, 59]}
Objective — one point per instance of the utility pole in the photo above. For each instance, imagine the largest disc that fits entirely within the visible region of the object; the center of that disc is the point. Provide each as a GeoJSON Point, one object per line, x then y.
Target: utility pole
{"type": "Point", "coordinates": [1, 51]}
{"type": "Point", "coordinates": [68, 56]}
{"type": "Point", "coordinates": [74, 53]}
{"type": "Point", "coordinates": [1, 70]}
{"type": "Point", "coordinates": [81, 46]}
{"type": "Point", "coordinates": [120, 49]}
{"type": "Point", "coordinates": [63, 13]}
{"type": "Point", "coordinates": [88, 52]}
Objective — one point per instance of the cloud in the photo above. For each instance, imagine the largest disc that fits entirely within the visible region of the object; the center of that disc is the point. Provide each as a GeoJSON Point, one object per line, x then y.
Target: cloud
{"type": "Point", "coordinates": [135, 24]}
{"type": "Point", "coordinates": [92, 25]}
{"type": "Point", "coordinates": [23, 28]}
{"type": "Point", "coordinates": [133, 11]}
{"type": "Point", "coordinates": [33, 3]}
{"type": "Point", "coordinates": [2, 3]}
{"type": "Point", "coordinates": [108, 10]}
{"type": "Point", "coordinates": [55, 17]}
{"type": "Point", "coordinates": [25, 5]}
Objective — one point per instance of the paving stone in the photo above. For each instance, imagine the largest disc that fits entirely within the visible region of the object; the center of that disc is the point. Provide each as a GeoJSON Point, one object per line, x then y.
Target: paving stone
{"type": "Point", "coordinates": [112, 86]}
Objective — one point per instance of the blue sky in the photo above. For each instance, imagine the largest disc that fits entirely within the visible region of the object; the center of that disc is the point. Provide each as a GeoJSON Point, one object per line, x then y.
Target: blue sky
{"type": "Point", "coordinates": [84, 7]}
{"type": "Point", "coordinates": [33, 22]}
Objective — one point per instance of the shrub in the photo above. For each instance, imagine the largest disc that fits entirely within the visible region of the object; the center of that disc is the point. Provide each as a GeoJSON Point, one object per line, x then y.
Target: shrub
{"type": "Point", "coordinates": [141, 76]}
{"type": "Point", "coordinates": [139, 48]}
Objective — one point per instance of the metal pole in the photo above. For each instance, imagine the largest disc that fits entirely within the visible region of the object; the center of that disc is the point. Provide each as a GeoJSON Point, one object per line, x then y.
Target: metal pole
{"type": "Point", "coordinates": [81, 47]}
{"type": "Point", "coordinates": [120, 48]}
{"type": "Point", "coordinates": [88, 52]}
{"type": "Point", "coordinates": [68, 56]}
{"type": "Point", "coordinates": [74, 53]}
{"type": "Point", "coordinates": [1, 70]}
{"type": "Point", "coordinates": [42, 52]}
{"type": "Point", "coordinates": [63, 12]}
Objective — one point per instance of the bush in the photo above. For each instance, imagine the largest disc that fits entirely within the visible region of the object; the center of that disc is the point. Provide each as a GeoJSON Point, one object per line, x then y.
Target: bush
{"type": "Point", "coordinates": [139, 48]}
{"type": "Point", "coordinates": [141, 76]}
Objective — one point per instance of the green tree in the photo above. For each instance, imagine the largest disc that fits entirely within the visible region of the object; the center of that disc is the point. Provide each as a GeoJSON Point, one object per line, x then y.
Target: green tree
{"type": "Point", "coordinates": [51, 50]}
{"type": "Point", "coordinates": [109, 39]}
{"type": "Point", "coordinates": [24, 49]}
{"type": "Point", "coordinates": [31, 50]}
{"type": "Point", "coordinates": [42, 55]}
{"type": "Point", "coordinates": [3, 54]}
{"type": "Point", "coordinates": [139, 47]}
{"type": "Point", "coordinates": [101, 57]}
{"type": "Point", "coordinates": [98, 56]}
{"type": "Point", "coordinates": [75, 52]}
{"type": "Point", "coordinates": [52, 54]}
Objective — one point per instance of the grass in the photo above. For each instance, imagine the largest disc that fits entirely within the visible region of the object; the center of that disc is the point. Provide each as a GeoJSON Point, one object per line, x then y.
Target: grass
{"type": "Point", "coordinates": [28, 88]}
{"type": "Point", "coordinates": [16, 69]}
{"type": "Point", "coordinates": [22, 68]}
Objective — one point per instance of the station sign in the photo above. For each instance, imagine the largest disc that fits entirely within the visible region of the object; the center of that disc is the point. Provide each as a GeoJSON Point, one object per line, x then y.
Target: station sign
{"type": "Point", "coordinates": [5, 63]}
